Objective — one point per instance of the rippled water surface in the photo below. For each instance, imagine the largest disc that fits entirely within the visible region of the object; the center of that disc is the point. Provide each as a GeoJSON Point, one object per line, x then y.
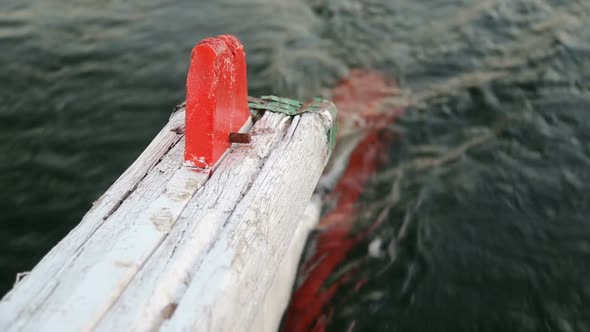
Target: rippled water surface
{"type": "Point", "coordinates": [499, 236]}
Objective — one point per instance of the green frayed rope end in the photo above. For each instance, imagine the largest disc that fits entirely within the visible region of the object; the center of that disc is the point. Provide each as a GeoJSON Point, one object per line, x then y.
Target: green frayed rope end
{"type": "Point", "coordinates": [292, 107]}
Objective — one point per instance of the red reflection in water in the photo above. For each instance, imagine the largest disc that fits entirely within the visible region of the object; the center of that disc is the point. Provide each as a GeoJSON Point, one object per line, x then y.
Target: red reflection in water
{"type": "Point", "coordinates": [358, 98]}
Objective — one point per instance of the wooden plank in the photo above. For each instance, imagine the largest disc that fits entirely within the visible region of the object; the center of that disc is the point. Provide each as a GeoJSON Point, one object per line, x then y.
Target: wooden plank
{"type": "Point", "coordinates": [110, 259]}
{"type": "Point", "coordinates": [34, 290]}
{"type": "Point", "coordinates": [152, 295]}
{"type": "Point", "coordinates": [149, 255]}
{"type": "Point", "coordinates": [235, 275]}
{"type": "Point", "coordinates": [90, 284]}
{"type": "Point", "coordinates": [270, 312]}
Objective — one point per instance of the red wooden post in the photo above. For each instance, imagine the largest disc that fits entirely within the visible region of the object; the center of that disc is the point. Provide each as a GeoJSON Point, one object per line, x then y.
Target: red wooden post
{"type": "Point", "coordinates": [241, 86]}
{"type": "Point", "coordinates": [216, 99]}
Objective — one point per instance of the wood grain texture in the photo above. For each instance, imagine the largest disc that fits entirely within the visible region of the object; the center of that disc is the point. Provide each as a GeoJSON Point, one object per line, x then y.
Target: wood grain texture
{"type": "Point", "coordinates": [235, 275]}
{"type": "Point", "coordinates": [33, 291]}
{"type": "Point", "coordinates": [110, 259]}
{"type": "Point", "coordinates": [177, 249]}
{"type": "Point", "coordinates": [270, 312]}
{"type": "Point", "coordinates": [152, 296]}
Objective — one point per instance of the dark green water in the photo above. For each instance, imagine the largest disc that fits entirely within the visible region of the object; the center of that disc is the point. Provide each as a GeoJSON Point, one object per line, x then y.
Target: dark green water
{"type": "Point", "coordinates": [501, 235]}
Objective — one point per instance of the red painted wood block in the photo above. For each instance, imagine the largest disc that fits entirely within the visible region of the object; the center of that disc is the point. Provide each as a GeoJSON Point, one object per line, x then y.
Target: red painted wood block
{"type": "Point", "coordinates": [358, 98]}
{"type": "Point", "coordinates": [216, 99]}
{"type": "Point", "coordinates": [241, 86]}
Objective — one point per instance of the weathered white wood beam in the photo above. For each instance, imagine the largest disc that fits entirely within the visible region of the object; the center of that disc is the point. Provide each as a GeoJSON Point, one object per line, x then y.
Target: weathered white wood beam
{"type": "Point", "coordinates": [110, 259]}
{"type": "Point", "coordinates": [270, 312]}
{"type": "Point", "coordinates": [153, 295]}
{"type": "Point", "coordinates": [31, 292]}
{"type": "Point", "coordinates": [232, 280]}
{"type": "Point", "coordinates": [92, 282]}
{"type": "Point", "coordinates": [172, 247]}
{"type": "Point", "coordinates": [183, 249]}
